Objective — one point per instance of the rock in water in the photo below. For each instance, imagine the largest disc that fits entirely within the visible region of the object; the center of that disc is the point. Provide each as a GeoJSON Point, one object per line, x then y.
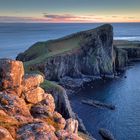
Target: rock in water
{"type": "Point", "coordinates": [106, 134]}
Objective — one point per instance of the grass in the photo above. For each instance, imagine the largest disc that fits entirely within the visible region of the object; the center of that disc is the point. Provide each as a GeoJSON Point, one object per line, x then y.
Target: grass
{"type": "Point", "coordinates": [49, 85]}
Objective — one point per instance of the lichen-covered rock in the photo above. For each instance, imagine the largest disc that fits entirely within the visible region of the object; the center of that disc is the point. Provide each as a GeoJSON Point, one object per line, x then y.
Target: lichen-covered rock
{"type": "Point", "coordinates": [35, 95]}
{"type": "Point", "coordinates": [44, 108]}
{"type": "Point", "coordinates": [4, 134]}
{"type": "Point", "coordinates": [17, 100]}
{"type": "Point", "coordinates": [59, 120]}
{"type": "Point", "coordinates": [31, 81]}
{"type": "Point", "coordinates": [11, 73]}
{"type": "Point", "coordinates": [15, 106]}
{"type": "Point", "coordinates": [65, 135]}
{"type": "Point", "coordinates": [71, 125]}
{"type": "Point", "coordinates": [36, 131]}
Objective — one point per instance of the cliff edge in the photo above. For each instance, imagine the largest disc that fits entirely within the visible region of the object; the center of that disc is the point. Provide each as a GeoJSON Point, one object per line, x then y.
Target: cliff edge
{"type": "Point", "coordinates": [26, 110]}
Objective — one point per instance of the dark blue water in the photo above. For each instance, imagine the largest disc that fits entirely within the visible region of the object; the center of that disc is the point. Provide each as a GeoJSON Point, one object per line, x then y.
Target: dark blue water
{"type": "Point", "coordinates": [15, 38]}
{"type": "Point", "coordinates": [124, 93]}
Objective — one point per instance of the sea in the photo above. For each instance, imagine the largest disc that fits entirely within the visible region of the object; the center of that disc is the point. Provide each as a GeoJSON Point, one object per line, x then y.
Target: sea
{"type": "Point", "coordinates": [17, 37]}
{"type": "Point", "coordinates": [123, 92]}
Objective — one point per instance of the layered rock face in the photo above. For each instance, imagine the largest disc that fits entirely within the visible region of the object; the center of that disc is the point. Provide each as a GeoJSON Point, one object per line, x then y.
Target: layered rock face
{"type": "Point", "coordinates": [26, 111]}
{"type": "Point", "coordinates": [92, 57]}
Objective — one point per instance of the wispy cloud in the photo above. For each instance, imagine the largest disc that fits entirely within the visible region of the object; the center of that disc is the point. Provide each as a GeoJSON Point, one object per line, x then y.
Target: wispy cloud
{"type": "Point", "coordinates": [70, 18]}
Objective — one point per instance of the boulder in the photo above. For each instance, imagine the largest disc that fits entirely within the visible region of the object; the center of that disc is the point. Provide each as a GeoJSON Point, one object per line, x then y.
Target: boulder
{"type": "Point", "coordinates": [71, 125]}
{"type": "Point", "coordinates": [34, 96]}
{"type": "Point", "coordinates": [11, 73]}
{"type": "Point", "coordinates": [4, 134]}
{"type": "Point", "coordinates": [15, 106]}
{"type": "Point", "coordinates": [44, 108]}
{"type": "Point", "coordinates": [31, 81]}
{"type": "Point", "coordinates": [65, 135]}
{"type": "Point", "coordinates": [36, 131]}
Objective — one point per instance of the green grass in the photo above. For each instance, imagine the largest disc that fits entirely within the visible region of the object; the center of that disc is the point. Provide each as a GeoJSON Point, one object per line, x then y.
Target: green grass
{"type": "Point", "coordinates": [49, 85]}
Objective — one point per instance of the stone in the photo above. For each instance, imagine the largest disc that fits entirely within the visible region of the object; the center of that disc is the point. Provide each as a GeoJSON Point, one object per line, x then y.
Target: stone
{"type": "Point", "coordinates": [71, 125]}
{"type": "Point", "coordinates": [31, 81]}
{"type": "Point", "coordinates": [106, 134]}
{"type": "Point", "coordinates": [11, 73]}
{"type": "Point", "coordinates": [57, 117]}
{"type": "Point", "coordinates": [4, 134]}
{"type": "Point", "coordinates": [36, 131]}
{"type": "Point", "coordinates": [44, 108]}
{"type": "Point", "coordinates": [65, 135]}
{"type": "Point", "coordinates": [34, 96]}
{"type": "Point", "coordinates": [15, 106]}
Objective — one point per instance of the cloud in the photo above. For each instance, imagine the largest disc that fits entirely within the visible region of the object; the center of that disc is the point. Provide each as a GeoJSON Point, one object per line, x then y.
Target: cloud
{"type": "Point", "coordinates": [70, 18]}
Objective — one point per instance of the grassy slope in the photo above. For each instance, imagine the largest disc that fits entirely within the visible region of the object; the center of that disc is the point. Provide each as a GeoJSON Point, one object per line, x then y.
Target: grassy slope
{"type": "Point", "coordinates": [42, 50]}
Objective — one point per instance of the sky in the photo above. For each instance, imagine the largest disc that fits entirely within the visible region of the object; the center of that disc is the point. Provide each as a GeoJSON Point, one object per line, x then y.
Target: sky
{"type": "Point", "coordinates": [69, 11]}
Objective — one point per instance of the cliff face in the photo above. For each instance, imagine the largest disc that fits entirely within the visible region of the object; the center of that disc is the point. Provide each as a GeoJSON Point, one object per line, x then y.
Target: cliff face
{"type": "Point", "coordinates": [26, 110]}
{"type": "Point", "coordinates": [93, 56]}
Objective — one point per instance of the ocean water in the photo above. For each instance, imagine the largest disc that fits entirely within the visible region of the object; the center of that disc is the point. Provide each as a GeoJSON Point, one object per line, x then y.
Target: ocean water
{"type": "Point", "coordinates": [124, 93]}
{"type": "Point", "coordinates": [17, 37]}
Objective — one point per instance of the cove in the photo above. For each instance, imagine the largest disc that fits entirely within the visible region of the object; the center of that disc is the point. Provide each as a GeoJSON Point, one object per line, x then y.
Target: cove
{"type": "Point", "coordinates": [124, 93]}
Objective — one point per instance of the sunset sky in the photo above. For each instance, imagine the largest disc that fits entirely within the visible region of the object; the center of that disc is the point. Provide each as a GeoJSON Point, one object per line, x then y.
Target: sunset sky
{"type": "Point", "coordinates": [58, 11]}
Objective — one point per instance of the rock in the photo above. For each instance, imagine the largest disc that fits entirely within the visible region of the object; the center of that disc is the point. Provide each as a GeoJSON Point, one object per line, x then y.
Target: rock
{"type": "Point", "coordinates": [34, 96]}
{"type": "Point", "coordinates": [31, 81]}
{"type": "Point", "coordinates": [11, 73]}
{"type": "Point", "coordinates": [16, 121]}
{"type": "Point", "coordinates": [4, 134]}
{"type": "Point", "coordinates": [91, 56]}
{"type": "Point", "coordinates": [98, 104]}
{"type": "Point", "coordinates": [65, 135]}
{"type": "Point", "coordinates": [106, 134]}
{"type": "Point", "coordinates": [59, 120]}
{"type": "Point", "coordinates": [15, 106]}
{"type": "Point", "coordinates": [44, 108]}
{"type": "Point", "coordinates": [61, 100]}
{"type": "Point", "coordinates": [36, 131]}
{"type": "Point", "coordinates": [71, 125]}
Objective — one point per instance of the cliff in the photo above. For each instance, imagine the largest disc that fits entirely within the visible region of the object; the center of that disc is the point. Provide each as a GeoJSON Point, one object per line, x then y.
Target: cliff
{"type": "Point", "coordinates": [79, 56]}
{"type": "Point", "coordinates": [26, 110]}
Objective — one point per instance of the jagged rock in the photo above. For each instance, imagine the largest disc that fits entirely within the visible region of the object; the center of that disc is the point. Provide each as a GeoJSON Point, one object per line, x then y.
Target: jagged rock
{"type": "Point", "coordinates": [65, 135]}
{"type": "Point", "coordinates": [59, 120]}
{"type": "Point", "coordinates": [71, 125]}
{"type": "Point", "coordinates": [36, 131]}
{"type": "Point", "coordinates": [44, 108]}
{"type": "Point", "coordinates": [15, 106]}
{"type": "Point", "coordinates": [31, 81]}
{"type": "Point", "coordinates": [4, 134]}
{"type": "Point", "coordinates": [34, 96]}
{"type": "Point", "coordinates": [11, 73]}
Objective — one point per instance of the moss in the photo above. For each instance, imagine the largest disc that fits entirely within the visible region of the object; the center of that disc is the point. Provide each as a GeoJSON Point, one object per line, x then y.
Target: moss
{"type": "Point", "coordinates": [48, 85]}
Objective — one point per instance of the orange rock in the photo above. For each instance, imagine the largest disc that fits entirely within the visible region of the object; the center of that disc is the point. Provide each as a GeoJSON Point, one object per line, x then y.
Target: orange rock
{"type": "Point", "coordinates": [72, 125]}
{"type": "Point", "coordinates": [15, 106]}
{"type": "Point", "coordinates": [34, 96]}
{"type": "Point", "coordinates": [31, 81]}
{"type": "Point", "coordinates": [65, 135]}
{"type": "Point", "coordinates": [4, 134]}
{"type": "Point", "coordinates": [36, 131]}
{"type": "Point", "coordinates": [11, 73]}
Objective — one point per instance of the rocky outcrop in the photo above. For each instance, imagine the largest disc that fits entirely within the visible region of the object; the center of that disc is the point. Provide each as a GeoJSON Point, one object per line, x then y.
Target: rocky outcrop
{"type": "Point", "coordinates": [30, 113]}
{"type": "Point", "coordinates": [93, 56]}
